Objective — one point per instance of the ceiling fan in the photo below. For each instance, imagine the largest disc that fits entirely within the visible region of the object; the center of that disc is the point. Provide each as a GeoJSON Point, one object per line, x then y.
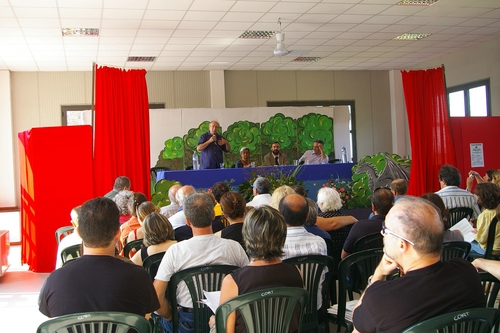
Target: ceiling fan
{"type": "Point", "coordinates": [281, 49]}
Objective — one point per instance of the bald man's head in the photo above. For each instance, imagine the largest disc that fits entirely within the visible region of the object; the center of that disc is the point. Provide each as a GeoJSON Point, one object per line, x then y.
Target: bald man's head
{"type": "Point", "coordinates": [294, 208]}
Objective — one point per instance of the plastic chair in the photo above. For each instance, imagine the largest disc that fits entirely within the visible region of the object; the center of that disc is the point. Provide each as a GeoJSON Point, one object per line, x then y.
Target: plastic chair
{"type": "Point", "coordinates": [492, 231]}
{"type": "Point", "coordinates": [455, 250]}
{"type": "Point", "coordinates": [478, 320]}
{"type": "Point", "coordinates": [197, 279]}
{"type": "Point", "coordinates": [70, 253]}
{"type": "Point", "coordinates": [136, 245]}
{"type": "Point", "coordinates": [151, 264]}
{"type": "Point", "coordinates": [365, 262]}
{"type": "Point", "coordinates": [371, 241]}
{"type": "Point", "coordinates": [63, 232]}
{"type": "Point", "coordinates": [312, 267]}
{"type": "Point", "coordinates": [264, 311]}
{"type": "Point", "coordinates": [96, 322]}
{"type": "Point", "coordinates": [458, 213]}
{"type": "Point", "coordinates": [491, 286]}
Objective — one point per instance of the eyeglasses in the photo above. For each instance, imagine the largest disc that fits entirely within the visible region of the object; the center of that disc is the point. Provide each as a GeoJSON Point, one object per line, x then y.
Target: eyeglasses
{"type": "Point", "coordinates": [385, 231]}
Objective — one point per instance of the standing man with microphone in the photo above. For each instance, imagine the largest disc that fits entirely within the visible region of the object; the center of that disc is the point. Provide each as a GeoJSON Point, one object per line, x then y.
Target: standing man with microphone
{"type": "Point", "coordinates": [211, 145]}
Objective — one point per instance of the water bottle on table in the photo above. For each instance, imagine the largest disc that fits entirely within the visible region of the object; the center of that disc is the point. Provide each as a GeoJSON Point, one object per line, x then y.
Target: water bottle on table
{"type": "Point", "coordinates": [344, 155]}
{"type": "Point", "coordinates": [196, 162]}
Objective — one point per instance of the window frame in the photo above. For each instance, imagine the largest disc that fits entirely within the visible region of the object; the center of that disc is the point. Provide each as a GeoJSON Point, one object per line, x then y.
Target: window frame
{"type": "Point", "coordinates": [465, 88]}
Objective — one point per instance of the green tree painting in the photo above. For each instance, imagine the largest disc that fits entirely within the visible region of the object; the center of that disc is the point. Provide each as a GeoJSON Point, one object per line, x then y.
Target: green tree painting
{"type": "Point", "coordinates": [312, 127]}
{"type": "Point", "coordinates": [243, 134]}
{"type": "Point", "coordinates": [283, 130]}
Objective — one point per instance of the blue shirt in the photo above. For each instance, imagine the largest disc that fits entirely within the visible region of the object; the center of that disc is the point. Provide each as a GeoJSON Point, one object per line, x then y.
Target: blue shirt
{"type": "Point", "coordinates": [211, 157]}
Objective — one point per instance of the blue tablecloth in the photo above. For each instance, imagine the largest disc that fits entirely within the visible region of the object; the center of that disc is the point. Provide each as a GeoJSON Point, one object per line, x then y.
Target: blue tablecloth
{"type": "Point", "coordinates": [313, 175]}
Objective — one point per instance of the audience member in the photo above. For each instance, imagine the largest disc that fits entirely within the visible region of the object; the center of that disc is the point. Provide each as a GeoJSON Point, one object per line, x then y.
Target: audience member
{"type": "Point", "coordinates": [218, 189]}
{"type": "Point", "coordinates": [488, 265]}
{"type": "Point", "coordinates": [310, 223]}
{"type": "Point", "coordinates": [299, 189]}
{"type": "Point", "coordinates": [474, 175]}
{"type": "Point", "coordinates": [382, 201]}
{"type": "Point", "coordinates": [143, 211]}
{"type": "Point", "coordinates": [488, 196]}
{"type": "Point", "coordinates": [121, 183]}
{"type": "Point", "coordinates": [399, 187]}
{"type": "Point", "coordinates": [211, 145]}
{"type": "Point", "coordinates": [329, 202]}
{"type": "Point", "coordinates": [264, 232]}
{"type": "Point", "coordinates": [97, 281]}
{"type": "Point", "coordinates": [276, 156]}
{"type": "Point", "coordinates": [244, 161]}
{"type": "Point", "coordinates": [449, 235]}
{"type": "Point", "coordinates": [203, 249]}
{"type": "Point", "coordinates": [316, 155]}
{"type": "Point", "coordinates": [179, 219]}
{"type": "Point", "coordinates": [158, 237]}
{"type": "Point", "coordinates": [133, 223]}
{"type": "Point", "coordinates": [121, 200]}
{"type": "Point", "coordinates": [298, 241]}
{"type": "Point", "coordinates": [452, 195]}
{"type": "Point", "coordinates": [71, 239]}
{"type": "Point", "coordinates": [495, 178]}
{"type": "Point", "coordinates": [261, 188]}
{"type": "Point", "coordinates": [279, 194]}
{"type": "Point", "coordinates": [173, 207]}
{"type": "Point", "coordinates": [413, 236]}
{"type": "Point", "coordinates": [233, 207]}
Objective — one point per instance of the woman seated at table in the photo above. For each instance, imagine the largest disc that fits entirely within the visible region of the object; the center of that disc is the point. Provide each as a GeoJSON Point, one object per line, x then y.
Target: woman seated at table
{"type": "Point", "coordinates": [264, 234]}
{"type": "Point", "coordinates": [233, 208]}
{"type": "Point", "coordinates": [244, 162]}
{"type": "Point", "coordinates": [158, 234]}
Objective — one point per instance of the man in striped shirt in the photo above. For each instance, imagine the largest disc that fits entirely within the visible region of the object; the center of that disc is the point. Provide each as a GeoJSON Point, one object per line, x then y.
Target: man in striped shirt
{"type": "Point", "coordinates": [452, 195]}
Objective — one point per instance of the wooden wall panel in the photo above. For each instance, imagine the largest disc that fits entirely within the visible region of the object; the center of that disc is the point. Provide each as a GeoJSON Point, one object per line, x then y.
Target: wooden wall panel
{"type": "Point", "coordinates": [315, 85]}
{"type": "Point", "coordinates": [241, 89]}
{"type": "Point", "coordinates": [192, 89]}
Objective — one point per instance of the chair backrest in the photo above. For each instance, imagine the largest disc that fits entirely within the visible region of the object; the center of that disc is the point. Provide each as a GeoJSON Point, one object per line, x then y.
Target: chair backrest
{"type": "Point", "coordinates": [264, 311]}
{"type": "Point", "coordinates": [197, 280]}
{"type": "Point", "coordinates": [96, 322]}
{"type": "Point", "coordinates": [492, 231]}
{"type": "Point", "coordinates": [312, 267]}
{"type": "Point", "coordinates": [152, 262]}
{"type": "Point", "coordinates": [455, 250]}
{"type": "Point", "coordinates": [459, 213]}
{"type": "Point", "coordinates": [71, 252]}
{"type": "Point", "coordinates": [135, 245]}
{"type": "Point", "coordinates": [478, 320]}
{"type": "Point", "coordinates": [63, 232]}
{"type": "Point", "coordinates": [491, 286]}
{"type": "Point", "coordinates": [365, 263]}
{"type": "Point", "coordinates": [371, 241]}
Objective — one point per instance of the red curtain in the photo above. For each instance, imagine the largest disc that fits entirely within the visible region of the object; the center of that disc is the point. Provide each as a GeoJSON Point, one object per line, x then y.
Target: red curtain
{"type": "Point", "coordinates": [121, 129]}
{"type": "Point", "coordinates": [428, 122]}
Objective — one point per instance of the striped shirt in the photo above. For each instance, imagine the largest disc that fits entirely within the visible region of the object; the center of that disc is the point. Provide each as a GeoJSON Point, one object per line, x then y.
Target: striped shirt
{"type": "Point", "coordinates": [454, 196]}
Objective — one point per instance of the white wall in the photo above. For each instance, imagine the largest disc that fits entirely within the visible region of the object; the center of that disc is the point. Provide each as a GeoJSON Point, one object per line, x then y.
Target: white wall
{"type": "Point", "coordinates": [7, 184]}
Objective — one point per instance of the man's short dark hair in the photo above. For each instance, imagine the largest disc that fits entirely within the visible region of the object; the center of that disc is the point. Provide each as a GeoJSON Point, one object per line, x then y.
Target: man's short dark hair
{"type": "Point", "coordinates": [218, 189]}
{"type": "Point", "coordinates": [294, 208]}
{"type": "Point", "coordinates": [121, 182]}
{"type": "Point", "coordinates": [400, 186]}
{"type": "Point", "coordinates": [489, 172]}
{"type": "Point", "coordinates": [199, 210]}
{"type": "Point", "coordinates": [450, 175]}
{"type": "Point", "coordinates": [319, 141]}
{"type": "Point", "coordinates": [98, 222]}
{"type": "Point", "coordinates": [262, 185]}
{"type": "Point", "coordinates": [382, 200]}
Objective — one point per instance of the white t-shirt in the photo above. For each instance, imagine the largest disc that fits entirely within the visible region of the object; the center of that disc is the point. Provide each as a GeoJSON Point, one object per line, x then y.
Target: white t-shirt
{"type": "Point", "coordinates": [71, 239]}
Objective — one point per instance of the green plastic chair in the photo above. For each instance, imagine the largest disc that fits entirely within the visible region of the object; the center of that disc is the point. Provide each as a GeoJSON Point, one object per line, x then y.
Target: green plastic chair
{"type": "Point", "coordinates": [136, 244]}
{"type": "Point", "coordinates": [71, 253]}
{"type": "Point", "coordinates": [365, 262]}
{"type": "Point", "coordinates": [455, 250]}
{"type": "Point", "coordinates": [457, 214]}
{"type": "Point", "coordinates": [151, 264]}
{"type": "Point", "coordinates": [312, 267]}
{"type": "Point", "coordinates": [96, 322]}
{"type": "Point", "coordinates": [63, 232]}
{"type": "Point", "coordinates": [264, 311]}
{"type": "Point", "coordinates": [371, 241]}
{"type": "Point", "coordinates": [197, 279]}
{"type": "Point", "coordinates": [478, 320]}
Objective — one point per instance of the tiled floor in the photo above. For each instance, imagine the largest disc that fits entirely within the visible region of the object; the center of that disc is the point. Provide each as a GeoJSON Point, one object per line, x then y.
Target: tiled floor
{"type": "Point", "coordinates": [19, 290]}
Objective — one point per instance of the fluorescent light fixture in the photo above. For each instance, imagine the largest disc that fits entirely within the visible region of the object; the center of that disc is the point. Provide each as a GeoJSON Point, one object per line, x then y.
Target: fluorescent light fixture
{"type": "Point", "coordinates": [411, 36]}
{"type": "Point", "coordinates": [306, 59]}
{"type": "Point", "coordinates": [80, 32]}
{"type": "Point", "coordinates": [255, 34]}
{"type": "Point", "coordinates": [417, 2]}
{"type": "Point", "coordinates": [141, 59]}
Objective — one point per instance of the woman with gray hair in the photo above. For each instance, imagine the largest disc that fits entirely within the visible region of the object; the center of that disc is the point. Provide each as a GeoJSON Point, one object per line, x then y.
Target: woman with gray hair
{"type": "Point", "coordinates": [329, 202]}
{"type": "Point", "coordinates": [244, 162]}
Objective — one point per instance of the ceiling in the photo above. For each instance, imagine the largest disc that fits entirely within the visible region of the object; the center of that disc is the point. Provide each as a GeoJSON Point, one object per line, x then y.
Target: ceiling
{"type": "Point", "coordinates": [203, 34]}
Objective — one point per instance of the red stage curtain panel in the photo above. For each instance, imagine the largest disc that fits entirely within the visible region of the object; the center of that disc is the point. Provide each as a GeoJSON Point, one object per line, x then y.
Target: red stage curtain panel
{"type": "Point", "coordinates": [121, 146]}
{"type": "Point", "coordinates": [428, 122]}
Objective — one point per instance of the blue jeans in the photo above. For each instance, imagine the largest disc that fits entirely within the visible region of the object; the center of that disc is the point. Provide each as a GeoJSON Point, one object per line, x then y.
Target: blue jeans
{"type": "Point", "coordinates": [186, 323]}
{"type": "Point", "coordinates": [476, 248]}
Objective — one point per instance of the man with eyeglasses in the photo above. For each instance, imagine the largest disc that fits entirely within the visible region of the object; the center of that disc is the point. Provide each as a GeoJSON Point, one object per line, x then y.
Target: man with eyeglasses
{"type": "Point", "coordinates": [413, 233]}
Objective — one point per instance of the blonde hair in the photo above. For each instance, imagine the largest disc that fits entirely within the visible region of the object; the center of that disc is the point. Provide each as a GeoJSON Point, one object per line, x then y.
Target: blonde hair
{"type": "Point", "coordinates": [278, 194]}
{"type": "Point", "coordinates": [146, 208]}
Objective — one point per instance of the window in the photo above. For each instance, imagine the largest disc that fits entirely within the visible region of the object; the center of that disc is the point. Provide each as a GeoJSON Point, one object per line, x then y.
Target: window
{"type": "Point", "coordinates": [471, 99]}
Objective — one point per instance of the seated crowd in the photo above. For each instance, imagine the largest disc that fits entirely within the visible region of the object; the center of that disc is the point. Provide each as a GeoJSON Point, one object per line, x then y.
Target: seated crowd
{"type": "Point", "coordinates": [218, 227]}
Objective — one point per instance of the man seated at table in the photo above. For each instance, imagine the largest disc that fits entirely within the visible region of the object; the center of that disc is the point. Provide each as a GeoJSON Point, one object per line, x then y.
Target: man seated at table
{"type": "Point", "coordinates": [276, 156]}
{"type": "Point", "coordinates": [413, 236]}
{"type": "Point", "coordinates": [316, 155]}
